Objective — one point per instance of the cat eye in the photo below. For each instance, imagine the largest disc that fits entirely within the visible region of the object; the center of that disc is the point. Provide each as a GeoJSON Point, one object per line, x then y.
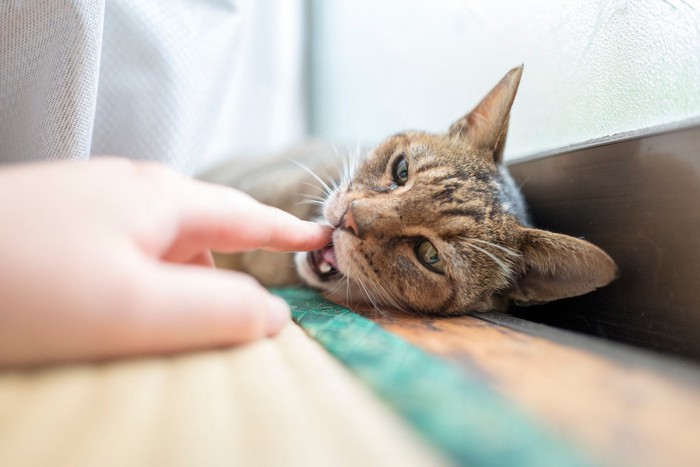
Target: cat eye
{"type": "Point", "coordinates": [428, 256]}
{"type": "Point", "coordinates": [400, 170]}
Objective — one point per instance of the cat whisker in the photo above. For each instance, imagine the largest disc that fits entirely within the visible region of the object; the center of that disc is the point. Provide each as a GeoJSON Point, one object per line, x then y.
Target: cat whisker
{"type": "Point", "coordinates": [389, 298]}
{"type": "Point", "coordinates": [327, 189]}
{"type": "Point", "coordinates": [363, 291]}
{"type": "Point", "coordinates": [316, 187]}
{"type": "Point", "coordinates": [329, 174]}
{"type": "Point", "coordinates": [344, 173]}
{"type": "Point", "coordinates": [343, 282]}
{"type": "Point", "coordinates": [334, 289]}
{"type": "Point", "coordinates": [333, 182]}
{"type": "Point", "coordinates": [500, 247]}
{"type": "Point", "coordinates": [347, 169]}
{"type": "Point", "coordinates": [369, 297]}
{"type": "Point", "coordinates": [347, 172]}
{"type": "Point", "coordinates": [311, 201]}
{"type": "Point", "coordinates": [354, 159]}
{"type": "Point", "coordinates": [381, 297]}
{"type": "Point", "coordinates": [456, 138]}
{"type": "Point", "coordinates": [506, 267]}
{"type": "Point", "coordinates": [313, 197]}
{"type": "Point", "coordinates": [335, 149]}
{"type": "Point", "coordinates": [357, 159]}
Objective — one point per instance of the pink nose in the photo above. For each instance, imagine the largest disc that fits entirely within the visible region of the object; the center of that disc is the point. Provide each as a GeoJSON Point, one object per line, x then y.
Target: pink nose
{"type": "Point", "coordinates": [348, 221]}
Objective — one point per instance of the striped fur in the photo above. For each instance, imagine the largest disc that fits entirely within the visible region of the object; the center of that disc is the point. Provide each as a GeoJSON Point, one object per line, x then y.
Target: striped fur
{"type": "Point", "coordinates": [461, 198]}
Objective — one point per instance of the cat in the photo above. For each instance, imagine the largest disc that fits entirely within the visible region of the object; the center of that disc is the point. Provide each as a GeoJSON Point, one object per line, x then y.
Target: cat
{"type": "Point", "coordinates": [424, 223]}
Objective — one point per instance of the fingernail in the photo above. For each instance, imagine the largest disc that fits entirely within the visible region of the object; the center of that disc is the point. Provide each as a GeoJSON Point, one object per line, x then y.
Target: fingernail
{"type": "Point", "coordinates": [278, 314]}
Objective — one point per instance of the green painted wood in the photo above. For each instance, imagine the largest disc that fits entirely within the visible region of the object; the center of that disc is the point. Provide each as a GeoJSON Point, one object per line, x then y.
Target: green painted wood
{"type": "Point", "coordinates": [457, 412]}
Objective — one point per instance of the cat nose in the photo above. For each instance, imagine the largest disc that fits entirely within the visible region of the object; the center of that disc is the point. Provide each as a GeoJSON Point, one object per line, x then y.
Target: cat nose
{"type": "Point", "coordinates": [348, 221]}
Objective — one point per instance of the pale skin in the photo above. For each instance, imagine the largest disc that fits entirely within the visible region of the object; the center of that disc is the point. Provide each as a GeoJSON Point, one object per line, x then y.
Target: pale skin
{"type": "Point", "coordinates": [110, 258]}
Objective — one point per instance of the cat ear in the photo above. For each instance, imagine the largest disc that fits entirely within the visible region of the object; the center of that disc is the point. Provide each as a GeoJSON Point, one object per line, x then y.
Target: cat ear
{"type": "Point", "coordinates": [486, 126]}
{"type": "Point", "coordinates": [558, 266]}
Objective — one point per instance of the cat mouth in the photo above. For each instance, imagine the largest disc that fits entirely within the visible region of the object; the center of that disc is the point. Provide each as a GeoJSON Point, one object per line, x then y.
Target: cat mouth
{"type": "Point", "coordinates": [323, 262]}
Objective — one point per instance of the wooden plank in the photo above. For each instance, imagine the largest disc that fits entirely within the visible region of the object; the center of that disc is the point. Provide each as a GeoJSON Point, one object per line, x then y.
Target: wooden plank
{"type": "Point", "coordinates": [621, 406]}
{"type": "Point", "coordinates": [277, 402]}
{"type": "Point", "coordinates": [456, 411]}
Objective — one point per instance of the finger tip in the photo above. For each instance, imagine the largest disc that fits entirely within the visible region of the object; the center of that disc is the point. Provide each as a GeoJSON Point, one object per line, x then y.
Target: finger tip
{"type": "Point", "coordinates": [321, 235]}
{"type": "Point", "coordinates": [278, 315]}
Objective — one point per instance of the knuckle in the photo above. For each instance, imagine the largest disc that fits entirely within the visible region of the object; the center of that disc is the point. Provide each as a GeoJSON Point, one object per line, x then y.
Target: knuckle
{"type": "Point", "coordinates": [156, 181]}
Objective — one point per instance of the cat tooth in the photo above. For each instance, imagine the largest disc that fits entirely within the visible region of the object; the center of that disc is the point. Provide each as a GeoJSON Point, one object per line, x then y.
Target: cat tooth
{"type": "Point", "coordinates": [324, 268]}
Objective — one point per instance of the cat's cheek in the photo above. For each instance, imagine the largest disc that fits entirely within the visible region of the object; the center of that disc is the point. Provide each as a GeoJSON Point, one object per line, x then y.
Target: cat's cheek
{"type": "Point", "coordinates": [343, 242]}
{"type": "Point", "coordinates": [304, 270]}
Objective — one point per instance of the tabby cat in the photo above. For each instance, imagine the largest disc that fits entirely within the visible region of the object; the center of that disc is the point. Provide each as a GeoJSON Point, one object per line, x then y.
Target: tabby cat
{"type": "Point", "coordinates": [426, 223]}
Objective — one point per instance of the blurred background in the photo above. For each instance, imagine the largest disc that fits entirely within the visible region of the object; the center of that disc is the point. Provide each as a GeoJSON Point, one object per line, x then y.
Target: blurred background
{"type": "Point", "coordinates": [356, 71]}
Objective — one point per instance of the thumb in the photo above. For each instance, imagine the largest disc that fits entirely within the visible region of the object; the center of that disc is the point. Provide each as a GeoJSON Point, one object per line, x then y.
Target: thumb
{"type": "Point", "coordinates": [189, 307]}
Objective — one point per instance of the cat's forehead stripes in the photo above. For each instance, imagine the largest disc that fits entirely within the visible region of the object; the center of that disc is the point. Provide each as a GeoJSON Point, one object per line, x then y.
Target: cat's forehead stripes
{"type": "Point", "coordinates": [409, 143]}
{"type": "Point", "coordinates": [392, 145]}
{"type": "Point", "coordinates": [428, 165]}
{"type": "Point", "coordinates": [462, 189]}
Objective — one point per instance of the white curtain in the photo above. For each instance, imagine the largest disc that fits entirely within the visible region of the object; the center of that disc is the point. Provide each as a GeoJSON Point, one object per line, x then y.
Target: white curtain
{"type": "Point", "coordinates": [184, 82]}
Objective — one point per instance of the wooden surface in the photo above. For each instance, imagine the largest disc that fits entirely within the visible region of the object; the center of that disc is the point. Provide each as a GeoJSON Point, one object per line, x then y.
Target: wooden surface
{"type": "Point", "coordinates": [277, 402]}
{"type": "Point", "coordinates": [622, 407]}
{"type": "Point", "coordinates": [459, 412]}
{"type": "Point", "coordinates": [285, 401]}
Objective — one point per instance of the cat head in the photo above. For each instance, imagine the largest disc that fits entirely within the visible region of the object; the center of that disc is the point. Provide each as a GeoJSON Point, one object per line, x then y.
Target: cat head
{"type": "Point", "coordinates": [433, 223]}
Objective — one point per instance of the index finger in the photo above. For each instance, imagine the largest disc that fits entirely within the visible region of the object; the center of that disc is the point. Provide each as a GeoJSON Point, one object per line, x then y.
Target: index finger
{"type": "Point", "coordinates": [227, 220]}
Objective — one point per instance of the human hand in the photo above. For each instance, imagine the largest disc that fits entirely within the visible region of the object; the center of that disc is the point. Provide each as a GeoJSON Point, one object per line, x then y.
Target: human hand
{"type": "Point", "coordinates": [105, 259]}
